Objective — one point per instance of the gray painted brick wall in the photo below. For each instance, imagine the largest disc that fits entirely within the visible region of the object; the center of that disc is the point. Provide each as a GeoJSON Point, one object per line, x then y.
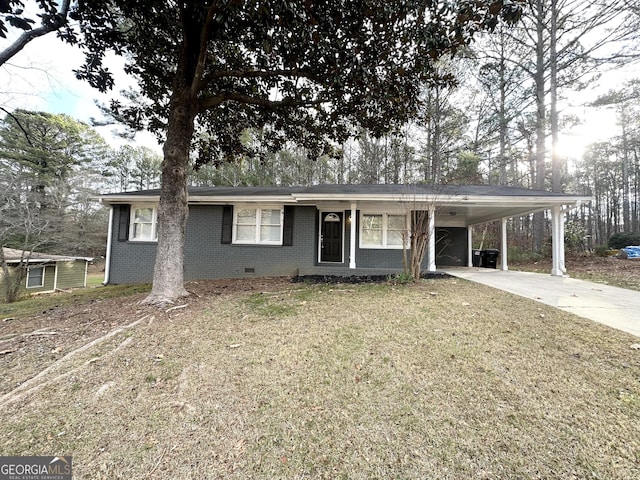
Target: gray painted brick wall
{"type": "Point", "coordinates": [207, 258]}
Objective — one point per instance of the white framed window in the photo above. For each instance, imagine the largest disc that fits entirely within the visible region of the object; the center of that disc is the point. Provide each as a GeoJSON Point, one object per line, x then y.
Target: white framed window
{"type": "Point", "coordinates": [35, 277]}
{"type": "Point", "coordinates": [143, 225]}
{"type": "Point", "coordinates": [253, 225]}
{"type": "Point", "coordinates": [383, 230]}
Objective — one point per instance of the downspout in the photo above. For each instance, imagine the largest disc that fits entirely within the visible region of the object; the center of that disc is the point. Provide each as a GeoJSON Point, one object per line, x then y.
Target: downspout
{"type": "Point", "coordinates": [107, 260]}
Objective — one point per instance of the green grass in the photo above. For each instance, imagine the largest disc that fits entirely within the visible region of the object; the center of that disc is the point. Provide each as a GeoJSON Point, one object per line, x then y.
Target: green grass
{"type": "Point", "coordinates": [344, 381]}
{"type": "Point", "coordinates": [95, 280]}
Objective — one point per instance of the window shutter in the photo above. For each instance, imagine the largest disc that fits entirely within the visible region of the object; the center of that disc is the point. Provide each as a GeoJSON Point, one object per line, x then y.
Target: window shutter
{"type": "Point", "coordinates": [287, 227]}
{"type": "Point", "coordinates": [227, 224]}
{"type": "Point", "coordinates": [123, 223]}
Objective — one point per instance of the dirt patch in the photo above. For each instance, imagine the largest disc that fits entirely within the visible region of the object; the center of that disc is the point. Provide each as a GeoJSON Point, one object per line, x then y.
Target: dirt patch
{"type": "Point", "coordinates": [31, 344]}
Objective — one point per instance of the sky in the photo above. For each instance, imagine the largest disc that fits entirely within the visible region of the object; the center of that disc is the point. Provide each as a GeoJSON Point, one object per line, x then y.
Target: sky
{"type": "Point", "coordinates": [40, 78]}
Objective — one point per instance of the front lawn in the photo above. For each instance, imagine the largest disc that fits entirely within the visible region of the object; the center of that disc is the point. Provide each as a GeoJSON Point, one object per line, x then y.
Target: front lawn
{"type": "Point", "coordinates": [441, 380]}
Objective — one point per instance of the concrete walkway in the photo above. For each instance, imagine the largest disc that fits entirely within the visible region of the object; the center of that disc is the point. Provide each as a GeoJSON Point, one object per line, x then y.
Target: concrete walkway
{"type": "Point", "coordinates": [616, 307]}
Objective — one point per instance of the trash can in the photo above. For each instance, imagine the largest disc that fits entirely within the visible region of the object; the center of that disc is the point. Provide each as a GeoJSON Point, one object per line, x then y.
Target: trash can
{"type": "Point", "coordinates": [476, 258]}
{"type": "Point", "coordinates": [490, 258]}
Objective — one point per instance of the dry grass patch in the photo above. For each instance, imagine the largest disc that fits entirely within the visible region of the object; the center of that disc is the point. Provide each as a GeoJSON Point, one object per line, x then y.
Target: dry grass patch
{"type": "Point", "coordinates": [622, 273]}
{"type": "Point", "coordinates": [445, 379]}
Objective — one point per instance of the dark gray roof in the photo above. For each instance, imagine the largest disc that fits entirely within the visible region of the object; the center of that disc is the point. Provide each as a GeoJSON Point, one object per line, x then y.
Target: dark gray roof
{"type": "Point", "coordinates": [462, 190]}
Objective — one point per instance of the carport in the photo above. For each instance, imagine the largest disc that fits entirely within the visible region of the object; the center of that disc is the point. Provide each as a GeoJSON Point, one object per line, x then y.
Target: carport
{"type": "Point", "coordinates": [491, 204]}
{"type": "Point", "coordinates": [452, 206]}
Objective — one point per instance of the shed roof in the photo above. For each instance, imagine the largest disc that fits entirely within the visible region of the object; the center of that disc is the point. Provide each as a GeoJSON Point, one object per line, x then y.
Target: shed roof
{"type": "Point", "coordinates": [13, 255]}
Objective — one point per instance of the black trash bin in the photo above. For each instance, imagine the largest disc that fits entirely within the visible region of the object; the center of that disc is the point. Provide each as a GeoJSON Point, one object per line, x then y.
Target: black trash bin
{"type": "Point", "coordinates": [476, 258]}
{"type": "Point", "coordinates": [490, 258]}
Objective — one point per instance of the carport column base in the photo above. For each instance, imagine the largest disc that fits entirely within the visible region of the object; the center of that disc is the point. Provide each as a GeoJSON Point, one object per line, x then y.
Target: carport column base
{"type": "Point", "coordinates": [503, 253]}
{"type": "Point", "coordinates": [352, 240]}
{"type": "Point", "coordinates": [558, 268]}
{"type": "Point", "coordinates": [470, 246]}
{"type": "Point", "coordinates": [432, 239]}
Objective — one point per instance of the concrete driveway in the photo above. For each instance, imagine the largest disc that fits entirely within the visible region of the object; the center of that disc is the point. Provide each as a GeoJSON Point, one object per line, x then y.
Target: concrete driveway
{"type": "Point", "coordinates": [616, 307]}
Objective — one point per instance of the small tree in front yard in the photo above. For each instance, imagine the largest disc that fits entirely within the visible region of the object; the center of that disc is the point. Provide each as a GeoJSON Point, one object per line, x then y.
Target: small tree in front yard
{"type": "Point", "coordinates": [417, 236]}
{"type": "Point", "coordinates": [22, 226]}
{"type": "Point", "coordinates": [11, 278]}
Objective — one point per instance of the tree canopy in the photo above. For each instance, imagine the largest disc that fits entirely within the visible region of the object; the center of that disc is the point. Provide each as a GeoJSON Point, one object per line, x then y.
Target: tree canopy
{"type": "Point", "coordinates": [245, 64]}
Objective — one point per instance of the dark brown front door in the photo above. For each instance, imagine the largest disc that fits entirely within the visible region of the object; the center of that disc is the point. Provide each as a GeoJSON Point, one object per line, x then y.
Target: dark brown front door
{"type": "Point", "coordinates": [331, 237]}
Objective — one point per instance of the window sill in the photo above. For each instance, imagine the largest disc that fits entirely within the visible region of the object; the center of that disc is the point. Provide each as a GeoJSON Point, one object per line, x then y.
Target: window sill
{"type": "Point", "coordinates": [253, 244]}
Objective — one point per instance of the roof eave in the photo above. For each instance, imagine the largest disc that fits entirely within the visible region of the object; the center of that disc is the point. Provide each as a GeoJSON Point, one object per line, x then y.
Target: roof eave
{"type": "Point", "coordinates": [434, 199]}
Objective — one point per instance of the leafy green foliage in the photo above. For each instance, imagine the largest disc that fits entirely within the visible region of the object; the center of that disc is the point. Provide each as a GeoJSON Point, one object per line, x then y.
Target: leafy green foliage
{"type": "Point", "coordinates": [133, 168]}
{"type": "Point", "coordinates": [624, 239]}
{"type": "Point", "coordinates": [46, 200]}
{"type": "Point", "coordinates": [574, 236]}
{"type": "Point", "coordinates": [310, 70]}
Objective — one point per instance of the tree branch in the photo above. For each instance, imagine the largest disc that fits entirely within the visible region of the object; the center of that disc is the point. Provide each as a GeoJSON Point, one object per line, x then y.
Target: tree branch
{"type": "Point", "coordinates": [15, 119]}
{"type": "Point", "coordinates": [59, 21]}
{"type": "Point", "coordinates": [196, 84]}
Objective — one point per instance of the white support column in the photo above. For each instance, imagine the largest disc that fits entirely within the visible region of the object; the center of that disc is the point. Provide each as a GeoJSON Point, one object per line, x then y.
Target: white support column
{"type": "Point", "coordinates": [503, 247]}
{"type": "Point", "coordinates": [432, 240]}
{"type": "Point", "coordinates": [557, 242]}
{"type": "Point", "coordinates": [470, 246]}
{"type": "Point", "coordinates": [352, 240]}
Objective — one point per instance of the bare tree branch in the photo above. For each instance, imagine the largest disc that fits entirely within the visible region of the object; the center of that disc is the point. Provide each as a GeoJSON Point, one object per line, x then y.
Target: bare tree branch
{"type": "Point", "coordinates": [57, 22]}
{"type": "Point", "coordinates": [26, 135]}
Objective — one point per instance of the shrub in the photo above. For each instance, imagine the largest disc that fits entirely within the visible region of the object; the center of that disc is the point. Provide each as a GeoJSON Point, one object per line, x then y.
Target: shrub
{"type": "Point", "coordinates": [520, 255]}
{"type": "Point", "coordinates": [574, 234]}
{"type": "Point", "coordinates": [400, 278]}
{"type": "Point", "coordinates": [601, 250]}
{"type": "Point", "coordinates": [624, 239]}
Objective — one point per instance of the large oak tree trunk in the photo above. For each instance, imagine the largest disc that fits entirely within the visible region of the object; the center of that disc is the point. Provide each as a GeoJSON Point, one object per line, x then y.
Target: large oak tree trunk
{"type": "Point", "coordinates": [173, 211]}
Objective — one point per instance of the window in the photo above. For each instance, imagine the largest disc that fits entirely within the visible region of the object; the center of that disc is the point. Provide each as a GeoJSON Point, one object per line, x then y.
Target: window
{"type": "Point", "coordinates": [143, 224]}
{"type": "Point", "coordinates": [35, 277]}
{"type": "Point", "coordinates": [382, 230]}
{"type": "Point", "coordinates": [257, 225]}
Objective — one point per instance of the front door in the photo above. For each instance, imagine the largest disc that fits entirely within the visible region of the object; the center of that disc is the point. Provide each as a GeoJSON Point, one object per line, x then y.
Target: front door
{"type": "Point", "coordinates": [331, 237]}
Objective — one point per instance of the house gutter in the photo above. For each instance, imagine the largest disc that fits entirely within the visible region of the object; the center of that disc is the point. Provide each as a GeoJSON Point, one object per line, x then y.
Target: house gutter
{"type": "Point", "coordinates": [107, 260]}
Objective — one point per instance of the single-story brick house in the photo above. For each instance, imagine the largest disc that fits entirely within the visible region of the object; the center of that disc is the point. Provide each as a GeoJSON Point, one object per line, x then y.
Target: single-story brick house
{"type": "Point", "coordinates": [47, 273]}
{"type": "Point", "coordinates": [339, 230]}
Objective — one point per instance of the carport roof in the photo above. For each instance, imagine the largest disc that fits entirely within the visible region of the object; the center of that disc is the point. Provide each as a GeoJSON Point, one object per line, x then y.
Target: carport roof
{"type": "Point", "coordinates": [472, 204]}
